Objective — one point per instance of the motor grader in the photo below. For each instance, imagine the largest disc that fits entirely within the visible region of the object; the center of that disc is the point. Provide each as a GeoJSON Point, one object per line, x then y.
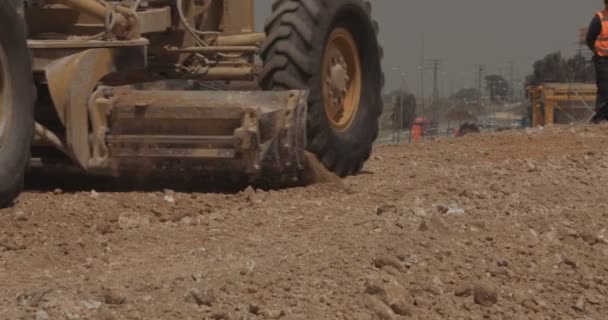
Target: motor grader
{"type": "Point", "coordinates": [165, 87]}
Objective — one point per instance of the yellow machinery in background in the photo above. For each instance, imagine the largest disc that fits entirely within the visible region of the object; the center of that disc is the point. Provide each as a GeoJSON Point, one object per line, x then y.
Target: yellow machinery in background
{"type": "Point", "coordinates": [554, 103]}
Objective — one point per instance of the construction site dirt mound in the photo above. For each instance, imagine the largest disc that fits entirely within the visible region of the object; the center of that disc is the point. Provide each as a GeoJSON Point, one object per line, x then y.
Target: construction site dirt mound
{"type": "Point", "coordinates": [510, 225]}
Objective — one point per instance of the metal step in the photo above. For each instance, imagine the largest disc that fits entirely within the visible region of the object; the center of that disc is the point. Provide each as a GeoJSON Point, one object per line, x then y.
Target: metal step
{"type": "Point", "coordinates": [174, 146]}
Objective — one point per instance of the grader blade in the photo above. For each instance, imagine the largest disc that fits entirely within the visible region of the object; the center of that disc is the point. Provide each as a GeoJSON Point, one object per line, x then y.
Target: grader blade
{"type": "Point", "coordinates": [253, 134]}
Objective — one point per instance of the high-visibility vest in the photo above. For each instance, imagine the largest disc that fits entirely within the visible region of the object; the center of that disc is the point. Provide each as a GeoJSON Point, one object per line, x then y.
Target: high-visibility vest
{"type": "Point", "coordinates": [416, 133]}
{"type": "Point", "coordinates": [601, 43]}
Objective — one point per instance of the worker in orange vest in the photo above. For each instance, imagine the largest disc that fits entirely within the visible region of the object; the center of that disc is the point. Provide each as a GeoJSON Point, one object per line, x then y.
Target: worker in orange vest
{"type": "Point", "coordinates": [418, 130]}
{"type": "Point", "coordinates": [597, 41]}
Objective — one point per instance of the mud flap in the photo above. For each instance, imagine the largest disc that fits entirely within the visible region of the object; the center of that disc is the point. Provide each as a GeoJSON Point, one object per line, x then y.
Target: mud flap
{"type": "Point", "coordinates": [71, 81]}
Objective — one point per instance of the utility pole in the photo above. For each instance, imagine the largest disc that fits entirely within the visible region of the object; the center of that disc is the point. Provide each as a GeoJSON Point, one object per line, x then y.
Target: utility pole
{"type": "Point", "coordinates": [421, 69]}
{"type": "Point", "coordinates": [511, 81]}
{"type": "Point", "coordinates": [399, 109]}
{"type": "Point", "coordinates": [401, 102]}
{"type": "Point", "coordinates": [436, 65]}
{"type": "Point", "coordinates": [479, 71]}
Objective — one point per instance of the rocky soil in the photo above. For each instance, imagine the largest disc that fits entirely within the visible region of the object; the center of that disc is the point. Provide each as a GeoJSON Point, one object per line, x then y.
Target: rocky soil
{"type": "Point", "coordinates": [512, 225]}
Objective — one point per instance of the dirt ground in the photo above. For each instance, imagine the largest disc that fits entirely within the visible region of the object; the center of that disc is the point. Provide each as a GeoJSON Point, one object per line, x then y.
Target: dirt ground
{"type": "Point", "coordinates": [510, 225]}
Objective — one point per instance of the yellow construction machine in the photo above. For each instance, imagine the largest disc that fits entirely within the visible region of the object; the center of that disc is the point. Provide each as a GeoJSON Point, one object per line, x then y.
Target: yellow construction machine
{"type": "Point", "coordinates": [159, 87]}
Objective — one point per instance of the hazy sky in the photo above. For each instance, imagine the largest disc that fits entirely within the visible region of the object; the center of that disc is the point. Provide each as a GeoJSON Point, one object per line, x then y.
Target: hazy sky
{"type": "Point", "coordinates": [464, 33]}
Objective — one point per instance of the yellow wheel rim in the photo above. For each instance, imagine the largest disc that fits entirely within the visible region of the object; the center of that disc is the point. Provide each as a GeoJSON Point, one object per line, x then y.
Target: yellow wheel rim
{"type": "Point", "coordinates": [341, 79]}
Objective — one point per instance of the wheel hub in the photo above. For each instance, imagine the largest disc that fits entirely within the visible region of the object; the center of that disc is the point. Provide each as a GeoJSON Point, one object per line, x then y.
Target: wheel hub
{"type": "Point", "coordinates": [338, 80]}
{"type": "Point", "coordinates": [342, 79]}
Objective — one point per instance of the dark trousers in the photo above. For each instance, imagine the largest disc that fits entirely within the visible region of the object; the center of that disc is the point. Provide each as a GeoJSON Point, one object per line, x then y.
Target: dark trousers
{"type": "Point", "coordinates": [601, 71]}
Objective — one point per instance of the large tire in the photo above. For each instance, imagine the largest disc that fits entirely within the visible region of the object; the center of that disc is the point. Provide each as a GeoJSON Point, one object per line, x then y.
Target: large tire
{"type": "Point", "coordinates": [16, 103]}
{"type": "Point", "coordinates": [300, 34]}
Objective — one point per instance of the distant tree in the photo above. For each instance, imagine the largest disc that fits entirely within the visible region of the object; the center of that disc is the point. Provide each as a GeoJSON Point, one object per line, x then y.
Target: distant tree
{"type": "Point", "coordinates": [497, 86]}
{"type": "Point", "coordinates": [466, 96]}
{"type": "Point", "coordinates": [408, 115]}
{"type": "Point", "coordinates": [580, 70]}
{"type": "Point", "coordinates": [555, 68]}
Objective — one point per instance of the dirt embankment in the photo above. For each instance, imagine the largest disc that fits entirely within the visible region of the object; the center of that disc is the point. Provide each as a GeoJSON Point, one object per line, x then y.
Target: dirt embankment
{"type": "Point", "coordinates": [496, 226]}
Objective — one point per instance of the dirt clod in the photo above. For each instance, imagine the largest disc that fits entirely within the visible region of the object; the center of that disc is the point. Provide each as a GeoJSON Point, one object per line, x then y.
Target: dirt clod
{"type": "Point", "coordinates": [254, 309]}
{"type": "Point", "coordinates": [386, 208]}
{"type": "Point", "coordinates": [104, 313]}
{"type": "Point", "coordinates": [272, 314]}
{"type": "Point", "coordinates": [20, 215]}
{"type": "Point", "coordinates": [315, 172]}
{"type": "Point", "coordinates": [132, 220]}
{"type": "Point", "coordinates": [114, 295]}
{"type": "Point", "coordinates": [397, 300]}
{"type": "Point", "coordinates": [464, 290]}
{"type": "Point", "coordinates": [383, 261]}
{"type": "Point", "coordinates": [41, 315]}
{"type": "Point", "coordinates": [378, 308]}
{"type": "Point", "coordinates": [201, 297]}
{"type": "Point", "coordinates": [220, 315]}
{"type": "Point", "coordinates": [485, 294]}
{"type": "Point", "coordinates": [580, 304]}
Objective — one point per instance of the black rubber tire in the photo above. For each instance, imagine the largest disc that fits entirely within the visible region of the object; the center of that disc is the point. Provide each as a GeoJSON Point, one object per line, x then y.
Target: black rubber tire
{"type": "Point", "coordinates": [297, 34]}
{"type": "Point", "coordinates": [18, 84]}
